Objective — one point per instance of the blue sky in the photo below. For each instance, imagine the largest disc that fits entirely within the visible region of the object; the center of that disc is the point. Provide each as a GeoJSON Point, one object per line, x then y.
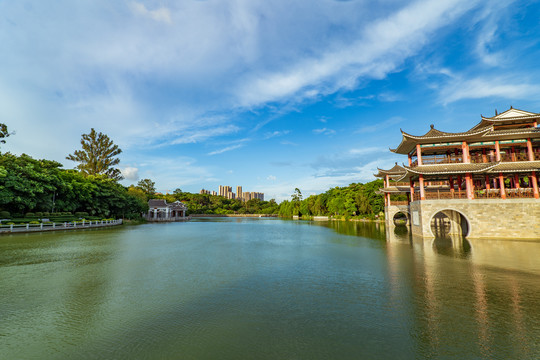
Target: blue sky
{"type": "Point", "coordinates": [269, 95]}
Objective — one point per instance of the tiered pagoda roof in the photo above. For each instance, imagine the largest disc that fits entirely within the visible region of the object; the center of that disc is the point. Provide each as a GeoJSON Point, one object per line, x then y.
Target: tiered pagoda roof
{"type": "Point", "coordinates": [395, 172]}
{"type": "Point", "coordinates": [489, 129]}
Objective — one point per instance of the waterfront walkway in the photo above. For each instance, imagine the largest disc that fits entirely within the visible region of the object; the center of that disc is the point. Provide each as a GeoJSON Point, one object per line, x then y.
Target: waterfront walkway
{"type": "Point", "coordinates": [24, 228]}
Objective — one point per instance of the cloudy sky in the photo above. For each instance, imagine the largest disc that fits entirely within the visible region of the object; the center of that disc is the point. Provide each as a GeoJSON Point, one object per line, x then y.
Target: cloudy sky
{"type": "Point", "coordinates": [270, 95]}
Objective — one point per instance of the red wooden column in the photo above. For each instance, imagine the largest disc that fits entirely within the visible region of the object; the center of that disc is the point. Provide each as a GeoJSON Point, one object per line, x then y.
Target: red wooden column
{"type": "Point", "coordinates": [388, 197]}
{"type": "Point", "coordinates": [497, 151]}
{"type": "Point", "coordinates": [422, 190]}
{"type": "Point", "coordinates": [412, 189]}
{"type": "Point", "coordinates": [459, 180]}
{"type": "Point", "coordinates": [535, 184]}
{"type": "Point", "coordinates": [387, 181]}
{"type": "Point", "coordinates": [465, 151]}
{"type": "Point", "coordinates": [516, 181]}
{"type": "Point", "coordinates": [469, 185]}
{"type": "Point", "coordinates": [530, 150]}
{"type": "Point", "coordinates": [451, 183]}
{"type": "Point", "coordinates": [488, 185]}
{"type": "Point", "coordinates": [484, 155]}
{"type": "Point", "coordinates": [501, 186]}
{"type": "Point", "coordinates": [410, 160]}
{"type": "Point", "coordinates": [419, 154]}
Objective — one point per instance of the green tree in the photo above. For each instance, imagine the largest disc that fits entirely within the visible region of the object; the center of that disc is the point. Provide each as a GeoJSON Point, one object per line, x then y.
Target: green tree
{"type": "Point", "coordinates": [148, 186]}
{"type": "Point", "coordinates": [4, 133]}
{"type": "Point", "coordinates": [297, 196]}
{"type": "Point", "coordinates": [98, 156]}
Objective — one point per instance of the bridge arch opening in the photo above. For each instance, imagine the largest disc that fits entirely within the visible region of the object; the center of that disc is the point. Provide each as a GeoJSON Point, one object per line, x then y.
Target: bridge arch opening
{"type": "Point", "coordinates": [401, 218]}
{"type": "Point", "coordinates": [449, 222]}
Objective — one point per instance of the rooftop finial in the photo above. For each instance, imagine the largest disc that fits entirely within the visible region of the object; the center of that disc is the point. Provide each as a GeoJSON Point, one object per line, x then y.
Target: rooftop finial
{"type": "Point", "coordinates": [496, 112]}
{"type": "Point", "coordinates": [511, 107]}
{"type": "Point", "coordinates": [432, 126]}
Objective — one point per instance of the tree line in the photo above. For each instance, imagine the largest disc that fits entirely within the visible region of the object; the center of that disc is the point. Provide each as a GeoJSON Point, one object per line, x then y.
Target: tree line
{"type": "Point", "coordinates": [355, 200]}
{"type": "Point", "coordinates": [31, 185]}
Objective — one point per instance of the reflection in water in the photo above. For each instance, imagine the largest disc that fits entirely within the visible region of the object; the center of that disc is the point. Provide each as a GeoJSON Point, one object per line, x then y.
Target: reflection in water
{"type": "Point", "coordinates": [267, 289]}
{"type": "Point", "coordinates": [480, 298]}
{"type": "Point", "coordinates": [456, 246]}
{"type": "Point", "coordinates": [372, 230]}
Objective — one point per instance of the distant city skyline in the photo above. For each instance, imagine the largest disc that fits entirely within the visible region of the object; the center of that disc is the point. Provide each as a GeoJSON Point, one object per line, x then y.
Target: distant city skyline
{"type": "Point", "coordinates": [275, 95]}
{"type": "Point", "coordinates": [226, 192]}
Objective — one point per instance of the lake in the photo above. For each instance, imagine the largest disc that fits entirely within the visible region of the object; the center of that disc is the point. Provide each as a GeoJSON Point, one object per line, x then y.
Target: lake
{"type": "Point", "coordinates": [244, 288]}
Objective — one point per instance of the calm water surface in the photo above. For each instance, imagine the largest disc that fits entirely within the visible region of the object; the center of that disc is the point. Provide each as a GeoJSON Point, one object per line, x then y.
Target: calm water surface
{"type": "Point", "coordinates": [266, 289]}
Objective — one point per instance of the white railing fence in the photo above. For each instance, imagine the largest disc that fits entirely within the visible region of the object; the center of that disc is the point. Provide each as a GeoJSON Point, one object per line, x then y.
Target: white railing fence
{"type": "Point", "coordinates": [51, 225]}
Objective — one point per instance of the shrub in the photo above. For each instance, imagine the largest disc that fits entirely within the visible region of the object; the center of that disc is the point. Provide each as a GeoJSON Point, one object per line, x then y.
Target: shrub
{"type": "Point", "coordinates": [39, 214]}
{"type": "Point", "coordinates": [29, 214]}
{"type": "Point", "coordinates": [46, 213]}
{"type": "Point", "coordinates": [10, 223]}
{"type": "Point", "coordinates": [34, 222]}
{"type": "Point", "coordinates": [4, 214]}
{"type": "Point", "coordinates": [81, 213]}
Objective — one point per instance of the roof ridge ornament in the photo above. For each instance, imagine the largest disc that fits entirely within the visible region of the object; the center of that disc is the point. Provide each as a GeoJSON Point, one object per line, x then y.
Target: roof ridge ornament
{"type": "Point", "coordinates": [432, 126]}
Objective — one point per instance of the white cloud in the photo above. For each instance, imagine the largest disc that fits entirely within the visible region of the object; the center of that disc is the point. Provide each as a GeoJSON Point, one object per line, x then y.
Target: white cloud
{"type": "Point", "coordinates": [161, 14]}
{"type": "Point", "coordinates": [276, 134]}
{"type": "Point", "coordinates": [201, 134]}
{"type": "Point", "coordinates": [484, 87]}
{"type": "Point", "coordinates": [130, 173]}
{"type": "Point", "coordinates": [324, 131]}
{"type": "Point", "coordinates": [228, 148]}
{"type": "Point", "coordinates": [271, 178]}
{"type": "Point", "coordinates": [382, 46]}
{"type": "Point", "coordinates": [366, 150]}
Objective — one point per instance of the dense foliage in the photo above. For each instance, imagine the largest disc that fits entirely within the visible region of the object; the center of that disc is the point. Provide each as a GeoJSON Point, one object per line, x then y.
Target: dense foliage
{"type": "Point", "coordinates": [353, 200]}
{"type": "Point", "coordinates": [214, 204]}
{"type": "Point", "coordinates": [30, 185]}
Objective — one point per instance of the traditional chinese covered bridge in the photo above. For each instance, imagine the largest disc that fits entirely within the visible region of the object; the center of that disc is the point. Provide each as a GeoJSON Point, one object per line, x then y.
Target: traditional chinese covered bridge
{"type": "Point", "coordinates": [482, 182]}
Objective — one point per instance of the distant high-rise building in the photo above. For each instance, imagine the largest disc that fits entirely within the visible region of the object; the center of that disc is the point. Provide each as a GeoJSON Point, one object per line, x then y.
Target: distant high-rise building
{"type": "Point", "coordinates": [226, 192]}
{"type": "Point", "coordinates": [239, 192]}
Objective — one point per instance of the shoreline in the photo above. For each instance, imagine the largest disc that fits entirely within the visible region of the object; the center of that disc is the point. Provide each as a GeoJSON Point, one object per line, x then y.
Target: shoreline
{"type": "Point", "coordinates": [14, 229]}
{"type": "Point", "coordinates": [234, 215]}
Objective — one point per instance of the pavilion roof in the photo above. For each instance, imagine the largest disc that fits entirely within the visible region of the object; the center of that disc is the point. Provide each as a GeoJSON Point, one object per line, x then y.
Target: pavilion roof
{"type": "Point", "coordinates": [454, 168]}
{"type": "Point", "coordinates": [511, 133]}
{"type": "Point", "coordinates": [518, 166]}
{"type": "Point", "coordinates": [473, 168]}
{"type": "Point", "coordinates": [395, 171]}
{"type": "Point", "coordinates": [161, 203]}
{"type": "Point", "coordinates": [157, 203]}
{"type": "Point", "coordinates": [408, 142]}
{"type": "Point", "coordinates": [510, 116]}
{"type": "Point", "coordinates": [484, 129]}
{"type": "Point", "coordinates": [395, 189]}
